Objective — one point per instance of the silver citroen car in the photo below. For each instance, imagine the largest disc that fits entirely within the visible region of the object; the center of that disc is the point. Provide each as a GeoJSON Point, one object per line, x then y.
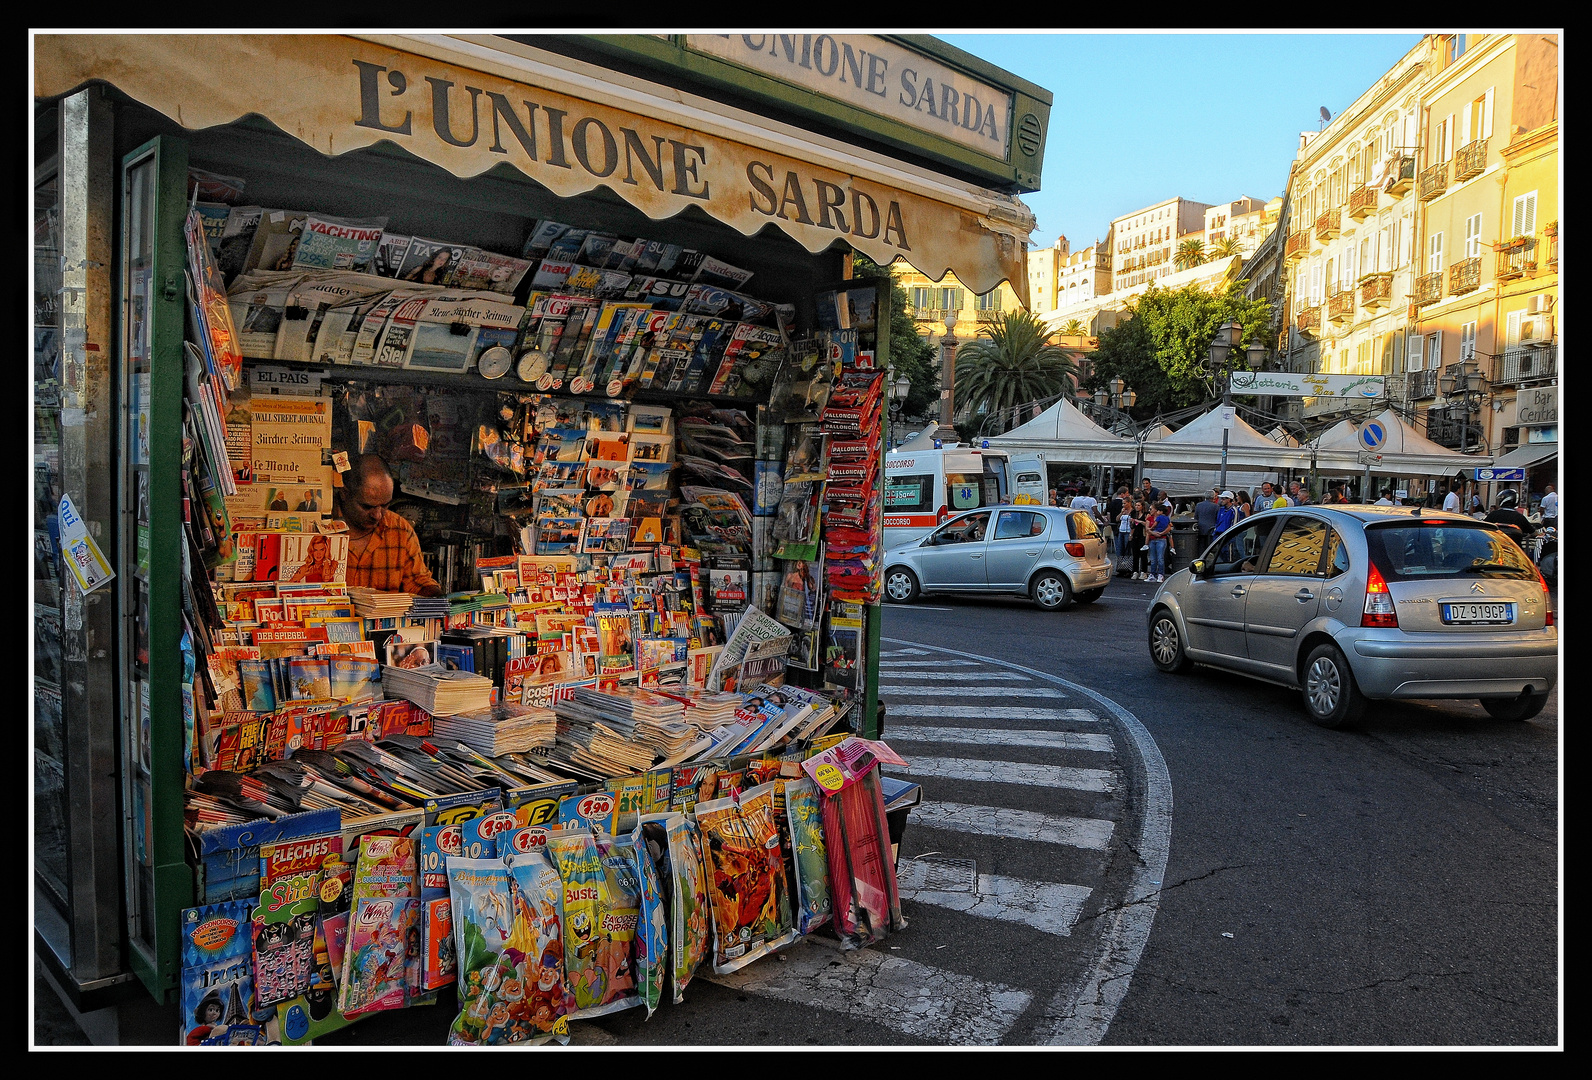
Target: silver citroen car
{"type": "Point", "coordinates": [1354, 603]}
{"type": "Point", "coordinates": [1052, 555]}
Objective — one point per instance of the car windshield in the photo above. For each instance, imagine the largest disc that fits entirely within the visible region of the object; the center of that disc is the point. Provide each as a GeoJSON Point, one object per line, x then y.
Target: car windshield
{"type": "Point", "coordinates": [1420, 550]}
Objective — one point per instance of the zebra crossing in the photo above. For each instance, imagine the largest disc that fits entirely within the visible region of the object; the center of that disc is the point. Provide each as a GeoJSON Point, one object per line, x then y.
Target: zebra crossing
{"type": "Point", "coordinates": [1023, 802]}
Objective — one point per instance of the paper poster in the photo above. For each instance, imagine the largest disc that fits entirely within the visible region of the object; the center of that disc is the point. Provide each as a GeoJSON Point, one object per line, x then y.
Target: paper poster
{"type": "Point", "coordinates": [82, 553]}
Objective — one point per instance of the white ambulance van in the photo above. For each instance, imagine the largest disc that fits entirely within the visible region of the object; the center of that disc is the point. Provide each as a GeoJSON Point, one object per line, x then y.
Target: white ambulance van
{"type": "Point", "coordinates": [924, 487]}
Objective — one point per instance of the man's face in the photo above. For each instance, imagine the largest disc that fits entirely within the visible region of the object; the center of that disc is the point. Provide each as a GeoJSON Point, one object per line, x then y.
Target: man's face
{"type": "Point", "coordinates": [363, 506]}
{"type": "Point", "coordinates": [1266, 489]}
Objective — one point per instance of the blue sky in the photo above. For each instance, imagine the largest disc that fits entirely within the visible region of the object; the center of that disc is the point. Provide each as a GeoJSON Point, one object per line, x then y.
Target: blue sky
{"type": "Point", "coordinates": [1142, 117]}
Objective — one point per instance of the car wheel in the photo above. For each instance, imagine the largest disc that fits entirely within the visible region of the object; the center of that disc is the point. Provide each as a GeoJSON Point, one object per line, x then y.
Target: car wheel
{"type": "Point", "coordinates": [1523, 707]}
{"type": "Point", "coordinates": [901, 585]}
{"type": "Point", "coordinates": [1330, 694]}
{"type": "Point", "coordinates": [1166, 644]}
{"type": "Point", "coordinates": [1051, 590]}
{"type": "Point", "coordinates": [1088, 596]}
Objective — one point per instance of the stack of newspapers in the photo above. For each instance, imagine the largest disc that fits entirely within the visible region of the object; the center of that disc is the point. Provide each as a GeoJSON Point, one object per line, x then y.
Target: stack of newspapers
{"type": "Point", "coordinates": [375, 604]}
{"type": "Point", "coordinates": [499, 729]}
{"type": "Point", "coordinates": [439, 690]}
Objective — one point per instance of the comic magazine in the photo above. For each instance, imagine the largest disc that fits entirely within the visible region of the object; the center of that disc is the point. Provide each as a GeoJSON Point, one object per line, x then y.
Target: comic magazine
{"type": "Point", "coordinates": [599, 922]}
{"type": "Point", "coordinates": [652, 927]}
{"type": "Point", "coordinates": [482, 920]}
{"type": "Point", "coordinates": [217, 986]}
{"type": "Point", "coordinates": [746, 878]}
{"type": "Point", "coordinates": [283, 923]}
{"type": "Point", "coordinates": [382, 960]}
{"type": "Point", "coordinates": [538, 1004]}
{"type": "Point", "coordinates": [804, 814]}
{"type": "Point", "coordinates": [437, 844]}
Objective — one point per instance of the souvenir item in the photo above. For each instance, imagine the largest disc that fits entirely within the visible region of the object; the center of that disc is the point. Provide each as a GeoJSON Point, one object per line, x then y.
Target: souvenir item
{"type": "Point", "coordinates": [538, 1005]}
{"type": "Point", "coordinates": [482, 921]}
{"type": "Point", "coordinates": [216, 981]}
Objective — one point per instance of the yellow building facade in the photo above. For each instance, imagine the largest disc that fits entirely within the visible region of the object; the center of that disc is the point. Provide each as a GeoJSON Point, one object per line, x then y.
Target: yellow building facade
{"type": "Point", "coordinates": [932, 301]}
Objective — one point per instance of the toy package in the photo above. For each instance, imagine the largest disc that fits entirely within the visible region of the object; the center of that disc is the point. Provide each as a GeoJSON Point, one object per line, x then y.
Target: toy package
{"type": "Point", "coordinates": [437, 844]}
{"type": "Point", "coordinates": [673, 840]}
{"type": "Point", "coordinates": [539, 1003]}
{"type": "Point", "coordinates": [600, 916]}
{"type": "Point", "coordinates": [865, 900]}
{"type": "Point", "coordinates": [652, 929]}
{"type": "Point", "coordinates": [283, 924]}
{"type": "Point", "coordinates": [746, 878]}
{"type": "Point", "coordinates": [482, 920]}
{"type": "Point", "coordinates": [804, 817]}
{"type": "Point", "coordinates": [216, 983]}
{"type": "Point", "coordinates": [382, 959]}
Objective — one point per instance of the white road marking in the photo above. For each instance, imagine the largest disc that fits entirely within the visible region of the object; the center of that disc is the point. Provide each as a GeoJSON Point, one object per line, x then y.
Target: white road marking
{"type": "Point", "coordinates": [927, 1003]}
{"type": "Point", "coordinates": [966, 691]}
{"type": "Point", "coordinates": [960, 676]}
{"type": "Point", "coordinates": [903, 652]}
{"type": "Point", "coordinates": [1049, 740]}
{"type": "Point", "coordinates": [996, 712]}
{"type": "Point", "coordinates": [1045, 905]}
{"type": "Point", "coordinates": [926, 663]}
{"type": "Point", "coordinates": [1010, 772]}
{"type": "Point", "coordinates": [1091, 833]}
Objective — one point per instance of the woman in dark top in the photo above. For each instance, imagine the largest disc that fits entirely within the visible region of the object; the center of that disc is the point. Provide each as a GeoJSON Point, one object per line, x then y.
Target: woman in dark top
{"type": "Point", "coordinates": [1141, 557]}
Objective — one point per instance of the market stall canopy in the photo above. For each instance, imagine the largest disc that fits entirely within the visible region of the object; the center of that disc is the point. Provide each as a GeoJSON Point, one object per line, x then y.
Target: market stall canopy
{"type": "Point", "coordinates": [469, 102]}
{"type": "Point", "coordinates": [1064, 434]}
{"type": "Point", "coordinates": [1199, 442]}
{"type": "Point", "coordinates": [1405, 451]}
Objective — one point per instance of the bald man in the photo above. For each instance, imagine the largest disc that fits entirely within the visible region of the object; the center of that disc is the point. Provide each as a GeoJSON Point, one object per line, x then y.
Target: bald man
{"type": "Point", "coordinates": [383, 551]}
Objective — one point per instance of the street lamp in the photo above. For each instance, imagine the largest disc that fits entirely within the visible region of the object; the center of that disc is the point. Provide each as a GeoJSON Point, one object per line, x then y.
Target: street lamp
{"type": "Point", "coordinates": [1228, 335]}
{"type": "Point", "coordinates": [1116, 397]}
{"type": "Point", "coordinates": [947, 430]}
{"type": "Point", "coordinates": [897, 386]}
{"type": "Point", "coordinates": [1464, 383]}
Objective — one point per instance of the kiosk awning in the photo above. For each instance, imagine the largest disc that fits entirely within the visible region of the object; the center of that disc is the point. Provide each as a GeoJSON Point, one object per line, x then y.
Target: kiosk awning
{"type": "Point", "coordinates": [471, 102]}
{"type": "Point", "coordinates": [1524, 457]}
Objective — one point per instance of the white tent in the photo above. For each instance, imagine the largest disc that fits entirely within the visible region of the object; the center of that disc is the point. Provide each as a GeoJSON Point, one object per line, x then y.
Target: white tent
{"type": "Point", "coordinates": [1199, 443]}
{"type": "Point", "coordinates": [1405, 451]}
{"type": "Point", "coordinates": [1065, 435]}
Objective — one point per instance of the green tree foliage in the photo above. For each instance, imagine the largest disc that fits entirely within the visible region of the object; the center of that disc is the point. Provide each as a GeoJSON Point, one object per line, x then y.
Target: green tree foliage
{"type": "Point", "coordinates": [1160, 349]}
{"type": "Point", "coordinates": [1225, 248]}
{"type": "Point", "coordinates": [910, 354]}
{"type": "Point", "coordinates": [1073, 327]}
{"type": "Point", "coordinates": [1190, 252]}
{"type": "Point", "coordinates": [1013, 360]}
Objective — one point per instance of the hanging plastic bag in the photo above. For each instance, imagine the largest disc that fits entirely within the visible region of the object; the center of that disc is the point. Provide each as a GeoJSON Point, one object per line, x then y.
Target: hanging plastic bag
{"type": "Point", "coordinates": [652, 927]}
{"type": "Point", "coordinates": [685, 885]}
{"type": "Point", "coordinates": [746, 878]}
{"type": "Point", "coordinates": [600, 913]}
{"type": "Point", "coordinates": [538, 1000]}
{"type": "Point", "coordinates": [482, 921]}
{"type": "Point", "coordinates": [804, 817]}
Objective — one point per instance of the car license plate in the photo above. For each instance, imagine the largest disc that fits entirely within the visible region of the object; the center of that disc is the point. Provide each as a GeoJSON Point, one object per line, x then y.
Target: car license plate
{"type": "Point", "coordinates": [1478, 613]}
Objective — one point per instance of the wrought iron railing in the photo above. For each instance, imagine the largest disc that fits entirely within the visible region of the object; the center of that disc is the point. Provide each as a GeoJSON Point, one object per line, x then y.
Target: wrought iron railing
{"type": "Point", "coordinates": [1522, 363]}
{"type": "Point", "coordinates": [1328, 224]}
{"type": "Point", "coordinates": [1309, 320]}
{"type": "Point", "coordinates": [1470, 160]}
{"type": "Point", "coordinates": [1464, 277]}
{"type": "Point", "coordinates": [1454, 430]}
{"type": "Point", "coordinates": [1516, 256]}
{"type": "Point", "coordinates": [1376, 291]}
{"type": "Point", "coordinates": [1423, 384]}
{"type": "Point", "coordinates": [989, 316]}
{"type": "Point", "coordinates": [1362, 201]}
{"type": "Point", "coordinates": [1428, 289]}
{"type": "Point", "coordinates": [1434, 181]}
{"type": "Point", "coordinates": [1400, 174]}
{"type": "Point", "coordinates": [1340, 305]}
{"type": "Point", "coordinates": [1551, 231]}
{"type": "Point", "coordinates": [1297, 245]}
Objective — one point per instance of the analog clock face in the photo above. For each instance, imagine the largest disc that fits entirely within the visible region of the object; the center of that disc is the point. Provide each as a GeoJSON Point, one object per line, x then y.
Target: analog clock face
{"type": "Point", "coordinates": [495, 362]}
{"type": "Point", "coordinates": [533, 365]}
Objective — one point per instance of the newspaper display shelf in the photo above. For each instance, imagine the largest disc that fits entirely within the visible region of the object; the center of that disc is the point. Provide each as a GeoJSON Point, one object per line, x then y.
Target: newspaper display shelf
{"type": "Point", "coordinates": [615, 424]}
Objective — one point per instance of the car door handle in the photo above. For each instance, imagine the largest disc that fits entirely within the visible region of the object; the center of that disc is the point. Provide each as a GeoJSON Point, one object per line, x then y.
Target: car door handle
{"type": "Point", "coordinates": [1304, 594]}
{"type": "Point", "coordinates": [970, 555]}
{"type": "Point", "coordinates": [1031, 554]}
{"type": "Point", "coordinates": [1238, 590]}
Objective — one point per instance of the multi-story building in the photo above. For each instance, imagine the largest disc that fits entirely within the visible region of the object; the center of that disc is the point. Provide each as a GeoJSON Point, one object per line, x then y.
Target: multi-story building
{"type": "Point", "coordinates": [931, 301]}
{"type": "Point", "coordinates": [1245, 220]}
{"type": "Point", "coordinates": [1348, 248]}
{"type": "Point", "coordinates": [1487, 289]}
{"type": "Point", "coordinates": [1085, 275]}
{"type": "Point", "coordinates": [1044, 271]}
{"type": "Point", "coordinates": [1144, 243]}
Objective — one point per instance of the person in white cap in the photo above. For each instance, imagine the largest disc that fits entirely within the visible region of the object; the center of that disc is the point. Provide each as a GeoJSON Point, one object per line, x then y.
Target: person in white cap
{"type": "Point", "coordinates": [1226, 514]}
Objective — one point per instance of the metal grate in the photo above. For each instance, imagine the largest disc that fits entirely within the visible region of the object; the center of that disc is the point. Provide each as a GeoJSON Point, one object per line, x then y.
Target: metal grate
{"type": "Point", "coordinates": [937, 875]}
{"type": "Point", "coordinates": [1028, 134]}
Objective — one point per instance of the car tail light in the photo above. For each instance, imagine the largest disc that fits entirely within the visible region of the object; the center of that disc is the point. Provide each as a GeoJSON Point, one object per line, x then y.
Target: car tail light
{"type": "Point", "coordinates": [1074, 549]}
{"type": "Point", "coordinates": [1547, 601]}
{"type": "Point", "coordinates": [1379, 610]}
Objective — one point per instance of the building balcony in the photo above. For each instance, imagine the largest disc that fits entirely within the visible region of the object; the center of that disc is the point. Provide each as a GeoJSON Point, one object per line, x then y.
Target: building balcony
{"type": "Point", "coordinates": [1464, 277]}
{"type": "Point", "coordinates": [1309, 320]}
{"type": "Point", "coordinates": [1454, 429]}
{"type": "Point", "coordinates": [1516, 257]}
{"type": "Point", "coordinates": [1362, 201]}
{"type": "Point", "coordinates": [1400, 174]}
{"type": "Point", "coordinates": [1434, 181]}
{"type": "Point", "coordinates": [990, 316]}
{"type": "Point", "coordinates": [1340, 307]}
{"type": "Point", "coordinates": [1422, 384]}
{"type": "Point", "coordinates": [1527, 363]}
{"type": "Point", "coordinates": [1376, 291]}
{"type": "Point", "coordinates": [931, 314]}
{"type": "Point", "coordinates": [1329, 224]}
{"type": "Point", "coordinates": [1428, 289]}
{"type": "Point", "coordinates": [1551, 233]}
{"type": "Point", "coordinates": [1470, 161]}
{"type": "Point", "coordinates": [1298, 244]}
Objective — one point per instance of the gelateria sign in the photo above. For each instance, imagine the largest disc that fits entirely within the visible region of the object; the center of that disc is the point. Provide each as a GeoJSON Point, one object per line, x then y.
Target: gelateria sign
{"type": "Point", "coordinates": [1290, 384]}
{"type": "Point", "coordinates": [339, 93]}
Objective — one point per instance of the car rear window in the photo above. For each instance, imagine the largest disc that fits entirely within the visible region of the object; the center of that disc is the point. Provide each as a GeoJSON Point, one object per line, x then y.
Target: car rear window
{"type": "Point", "coordinates": [1422, 550]}
{"type": "Point", "coordinates": [1080, 526]}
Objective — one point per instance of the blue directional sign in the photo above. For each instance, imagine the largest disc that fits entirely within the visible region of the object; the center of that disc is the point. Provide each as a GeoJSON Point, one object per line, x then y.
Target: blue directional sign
{"type": "Point", "coordinates": [1372, 435]}
{"type": "Point", "coordinates": [1502, 476]}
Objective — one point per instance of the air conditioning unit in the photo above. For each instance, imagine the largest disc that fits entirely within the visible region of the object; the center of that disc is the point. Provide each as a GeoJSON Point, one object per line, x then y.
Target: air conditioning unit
{"type": "Point", "coordinates": [1537, 328]}
{"type": "Point", "coordinates": [1539, 303]}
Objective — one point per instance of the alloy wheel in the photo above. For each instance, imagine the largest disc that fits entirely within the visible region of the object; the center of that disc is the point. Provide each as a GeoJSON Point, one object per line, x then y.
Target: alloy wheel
{"type": "Point", "coordinates": [1324, 685]}
{"type": "Point", "coordinates": [1164, 643]}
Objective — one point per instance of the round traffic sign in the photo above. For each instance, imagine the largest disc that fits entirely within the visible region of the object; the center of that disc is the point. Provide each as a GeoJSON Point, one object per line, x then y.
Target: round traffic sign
{"type": "Point", "coordinates": [1373, 435]}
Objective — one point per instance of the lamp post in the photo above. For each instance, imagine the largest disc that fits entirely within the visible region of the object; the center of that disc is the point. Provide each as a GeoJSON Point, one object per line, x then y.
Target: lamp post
{"type": "Point", "coordinates": [897, 386]}
{"type": "Point", "coordinates": [1227, 338]}
{"type": "Point", "coordinates": [946, 432]}
{"type": "Point", "coordinates": [1465, 384]}
{"type": "Point", "coordinates": [1116, 398]}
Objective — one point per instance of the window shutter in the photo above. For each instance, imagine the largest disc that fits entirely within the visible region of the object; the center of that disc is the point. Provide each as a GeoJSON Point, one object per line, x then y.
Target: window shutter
{"type": "Point", "coordinates": [1486, 114]}
{"type": "Point", "coordinates": [1513, 331]}
{"type": "Point", "coordinates": [1530, 215]}
{"type": "Point", "coordinates": [1464, 126]}
{"type": "Point", "coordinates": [1473, 236]}
{"type": "Point", "coordinates": [1434, 350]}
{"type": "Point", "coordinates": [1434, 253]}
{"type": "Point", "coordinates": [1415, 353]}
{"type": "Point", "coordinates": [1448, 137]}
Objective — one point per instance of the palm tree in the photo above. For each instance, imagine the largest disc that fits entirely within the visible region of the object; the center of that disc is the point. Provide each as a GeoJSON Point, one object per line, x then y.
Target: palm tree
{"type": "Point", "coordinates": [1225, 248]}
{"type": "Point", "coordinates": [1013, 360]}
{"type": "Point", "coordinates": [1073, 328]}
{"type": "Point", "coordinates": [1190, 252]}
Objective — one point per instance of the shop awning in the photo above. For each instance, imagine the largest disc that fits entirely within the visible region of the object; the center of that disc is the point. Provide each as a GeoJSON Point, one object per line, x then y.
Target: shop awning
{"type": "Point", "coordinates": [1064, 434]}
{"type": "Point", "coordinates": [470, 102]}
{"type": "Point", "coordinates": [1524, 457]}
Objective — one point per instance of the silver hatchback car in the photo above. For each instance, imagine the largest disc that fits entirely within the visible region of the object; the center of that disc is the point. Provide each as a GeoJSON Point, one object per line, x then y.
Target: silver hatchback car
{"type": "Point", "coordinates": [1052, 555]}
{"type": "Point", "coordinates": [1349, 604]}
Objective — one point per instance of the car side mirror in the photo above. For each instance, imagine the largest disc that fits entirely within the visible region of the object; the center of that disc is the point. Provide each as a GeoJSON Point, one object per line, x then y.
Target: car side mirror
{"type": "Point", "coordinates": [1199, 567]}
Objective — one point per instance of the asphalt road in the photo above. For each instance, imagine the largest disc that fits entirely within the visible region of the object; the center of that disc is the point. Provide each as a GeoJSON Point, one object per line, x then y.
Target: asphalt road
{"type": "Point", "coordinates": [1391, 884]}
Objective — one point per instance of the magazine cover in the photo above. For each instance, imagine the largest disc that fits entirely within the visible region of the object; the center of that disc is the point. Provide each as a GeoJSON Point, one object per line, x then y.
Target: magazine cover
{"type": "Point", "coordinates": [410, 654]}
{"type": "Point", "coordinates": [616, 643]}
{"type": "Point", "coordinates": [283, 923]}
{"type": "Point", "coordinates": [430, 262]}
{"type": "Point", "coordinates": [328, 243]}
{"type": "Point", "coordinates": [313, 557]}
{"type": "Point", "coordinates": [217, 989]}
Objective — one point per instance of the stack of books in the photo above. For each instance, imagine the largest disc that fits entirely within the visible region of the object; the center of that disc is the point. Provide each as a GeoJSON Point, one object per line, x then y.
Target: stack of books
{"type": "Point", "coordinates": [436, 689]}
{"type": "Point", "coordinates": [499, 729]}
{"type": "Point", "coordinates": [375, 604]}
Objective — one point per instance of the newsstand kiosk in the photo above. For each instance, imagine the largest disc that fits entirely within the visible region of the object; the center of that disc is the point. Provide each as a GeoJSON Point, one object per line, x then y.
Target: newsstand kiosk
{"type": "Point", "coordinates": [592, 301]}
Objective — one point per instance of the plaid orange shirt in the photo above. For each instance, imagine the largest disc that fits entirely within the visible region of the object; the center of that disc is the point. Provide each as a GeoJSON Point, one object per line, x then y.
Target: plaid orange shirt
{"type": "Point", "coordinates": [391, 560]}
